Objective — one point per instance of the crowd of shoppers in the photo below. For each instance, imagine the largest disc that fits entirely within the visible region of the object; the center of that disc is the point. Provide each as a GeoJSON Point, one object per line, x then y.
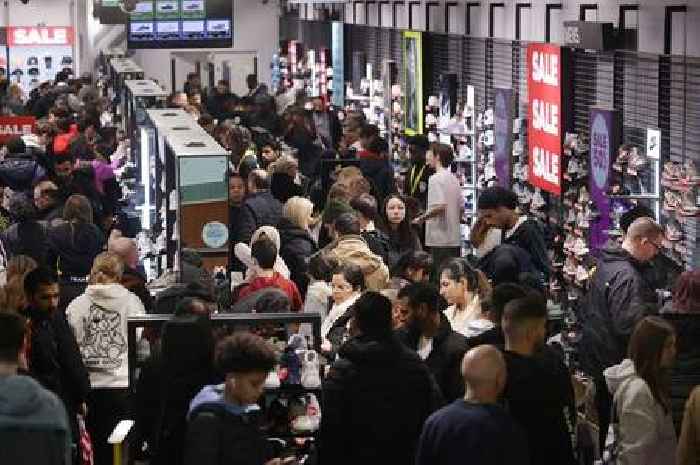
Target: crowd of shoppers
{"type": "Point", "coordinates": [432, 356]}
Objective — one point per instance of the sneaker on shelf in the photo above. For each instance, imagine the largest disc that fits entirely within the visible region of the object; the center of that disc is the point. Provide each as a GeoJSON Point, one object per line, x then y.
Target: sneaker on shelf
{"type": "Point", "coordinates": [582, 220]}
{"type": "Point", "coordinates": [488, 117]}
{"type": "Point", "coordinates": [674, 233]}
{"type": "Point", "coordinates": [583, 198]}
{"type": "Point", "coordinates": [689, 206]}
{"type": "Point", "coordinates": [310, 370]}
{"type": "Point", "coordinates": [570, 266]}
{"type": "Point", "coordinates": [571, 141]}
{"type": "Point", "coordinates": [581, 275]}
{"type": "Point", "coordinates": [571, 217]}
{"type": "Point", "coordinates": [636, 162]}
{"type": "Point", "coordinates": [618, 189]}
{"type": "Point", "coordinates": [672, 172]}
{"type": "Point", "coordinates": [310, 422]}
{"type": "Point", "coordinates": [623, 156]}
{"type": "Point", "coordinates": [580, 248]}
{"type": "Point", "coordinates": [569, 243]}
{"type": "Point", "coordinates": [273, 380]}
{"type": "Point", "coordinates": [672, 201]}
{"type": "Point", "coordinates": [538, 200]}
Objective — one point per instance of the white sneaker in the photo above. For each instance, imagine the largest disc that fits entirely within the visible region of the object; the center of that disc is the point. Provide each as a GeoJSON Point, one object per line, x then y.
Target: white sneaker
{"type": "Point", "coordinates": [488, 117]}
{"type": "Point", "coordinates": [312, 420]}
{"type": "Point", "coordinates": [310, 370]}
{"type": "Point", "coordinates": [273, 380]}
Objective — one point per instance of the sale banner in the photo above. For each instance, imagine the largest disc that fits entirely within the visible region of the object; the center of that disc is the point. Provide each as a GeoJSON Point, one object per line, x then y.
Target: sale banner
{"type": "Point", "coordinates": [544, 91]}
{"type": "Point", "coordinates": [44, 35]}
{"type": "Point", "coordinates": [604, 140]}
{"type": "Point", "coordinates": [11, 126]}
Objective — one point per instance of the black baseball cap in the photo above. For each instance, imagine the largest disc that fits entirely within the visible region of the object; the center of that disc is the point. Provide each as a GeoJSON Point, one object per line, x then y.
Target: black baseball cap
{"type": "Point", "coordinates": [419, 140]}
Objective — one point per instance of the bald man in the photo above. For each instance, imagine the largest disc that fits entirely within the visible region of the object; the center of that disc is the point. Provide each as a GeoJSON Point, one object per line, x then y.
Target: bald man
{"type": "Point", "coordinates": [475, 430]}
{"type": "Point", "coordinates": [132, 278]}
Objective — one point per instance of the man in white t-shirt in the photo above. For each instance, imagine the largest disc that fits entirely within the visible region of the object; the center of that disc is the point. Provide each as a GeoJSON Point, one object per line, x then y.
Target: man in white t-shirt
{"type": "Point", "coordinates": [445, 206]}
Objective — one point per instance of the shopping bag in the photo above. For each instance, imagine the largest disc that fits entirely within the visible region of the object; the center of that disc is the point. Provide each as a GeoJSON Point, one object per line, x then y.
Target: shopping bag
{"type": "Point", "coordinates": [86, 455]}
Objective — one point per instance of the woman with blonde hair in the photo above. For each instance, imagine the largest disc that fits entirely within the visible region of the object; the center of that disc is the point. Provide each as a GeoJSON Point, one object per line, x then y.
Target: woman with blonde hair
{"type": "Point", "coordinates": [98, 318]}
{"type": "Point", "coordinates": [296, 243]}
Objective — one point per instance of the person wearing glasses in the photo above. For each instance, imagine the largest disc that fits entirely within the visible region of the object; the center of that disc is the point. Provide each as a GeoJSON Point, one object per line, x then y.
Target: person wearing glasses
{"type": "Point", "coordinates": [619, 296]}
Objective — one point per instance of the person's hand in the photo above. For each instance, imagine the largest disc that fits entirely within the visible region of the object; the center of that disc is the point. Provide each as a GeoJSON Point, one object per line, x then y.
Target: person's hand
{"type": "Point", "coordinates": [417, 221]}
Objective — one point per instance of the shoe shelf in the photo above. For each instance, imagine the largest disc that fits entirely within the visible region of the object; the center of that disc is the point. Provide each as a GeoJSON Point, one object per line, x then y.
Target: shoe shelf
{"type": "Point", "coordinates": [301, 400]}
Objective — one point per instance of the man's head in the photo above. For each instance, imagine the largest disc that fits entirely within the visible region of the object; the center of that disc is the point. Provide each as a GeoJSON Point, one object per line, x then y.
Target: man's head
{"type": "Point", "coordinates": [497, 206]}
{"type": "Point", "coordinates": [372, 316]}
{"type": "Point", "coordinates": [347, 224]}
{"type": "Point", "coordinates": [12, 335]}
{"type": "Point", "coordinates": [264, 252]}
{"type": "Point", "coordinates": [193, 78]}
{"type": "Point", "coordinates": [318, 104]}
{"type": "Point", "coordinates": [484, 372]}
{"type": "Point", "coordinates": [644, 239]}
{"type": "Point", "coordinates": [525, 324]}
{"type": "Point", "coordinates": [258, 181]}
{"type": "Point", "coordinates": [627, 218]}
{"type": "Point", "coordinates": [125, 249]}
{"type": "Point", "coordinates": [417, 146]}
{"type": "Point", "coordinates": [423, 305]}
{"type": "Point", "coordinates": [41, 289]}
{"type": "Point", "coordinates": [368, 135]}
{"type": "Point", "coordinates": [252, 81]}
{"type": "Point", "coordinates": [500, 297]}
{"type": "Point", "coordinates": [366, 207]}
{"type": "Point", "coordinates": [444, 155]}
{"type": "Point", "coordinates": [15, 145]}
{"type": "Point", "coordinates": [45, 195]}
{"type": "Point", "coordinates": [223, 87]}
{"type": "Point", "coordinates": [64, 165]}
{"type": "Point", "coordinates": [236, 189]}
{"type": "Point", "coordinates": [192, 306]}
{"type": "Point", "coordinates": [206, 121]}
{"type": "Point", "coordinates": [246, 359]}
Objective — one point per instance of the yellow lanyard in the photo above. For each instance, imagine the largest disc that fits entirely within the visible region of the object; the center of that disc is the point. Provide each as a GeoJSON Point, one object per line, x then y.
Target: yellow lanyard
{"type": "Point", "coordinates": [415, 181]}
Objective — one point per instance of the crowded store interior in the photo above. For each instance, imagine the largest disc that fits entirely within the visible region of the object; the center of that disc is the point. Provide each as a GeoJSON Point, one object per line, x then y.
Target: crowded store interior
{"type": "Point", "coordinates": [286, 232]}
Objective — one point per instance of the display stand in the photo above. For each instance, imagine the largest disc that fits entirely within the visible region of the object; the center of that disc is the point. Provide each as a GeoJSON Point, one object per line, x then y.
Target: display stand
{"type": "Point", "coordinates": [201, 186]}
{"type": "Point", "coordinates": [223, 323]}
{"type": "Point", "coordinates": [165, 122]}
{"type": "Point", "coordinates": [122, 70]}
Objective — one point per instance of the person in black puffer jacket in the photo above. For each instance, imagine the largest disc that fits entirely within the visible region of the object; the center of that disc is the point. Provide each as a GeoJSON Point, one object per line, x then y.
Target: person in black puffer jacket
{"type": "Point", "coordinates": [260, 208]}
{"type": "Point", "coordinates": [683, 312]}
{"type": "Point", "coordinates": [296, 244]}
{"type": "Point", "coordinates": [377, 394]}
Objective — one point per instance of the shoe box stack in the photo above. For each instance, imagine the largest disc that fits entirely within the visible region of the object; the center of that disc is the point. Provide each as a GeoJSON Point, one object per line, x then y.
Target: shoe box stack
{"type": "Point", "coordinates": [398, 145]}
{"type": "Point", "coordinates": [292, 390]}
{"type": "Point", "coordinates": [571, 259]}
{"type": "Point", "coordinates": [681, 183]}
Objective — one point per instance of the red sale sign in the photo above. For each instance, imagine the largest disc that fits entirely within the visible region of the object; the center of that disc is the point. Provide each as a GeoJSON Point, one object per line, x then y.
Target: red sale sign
{"type": "Point", "coordinates": [34, 35]}
{"type": "Point", "coordinates": [11, 126]}
{"type": "Point", "coordinates": [544, 127]}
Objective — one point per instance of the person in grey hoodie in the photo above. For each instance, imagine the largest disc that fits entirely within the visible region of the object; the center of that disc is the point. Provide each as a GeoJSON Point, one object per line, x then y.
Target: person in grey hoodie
{"type": "Point", "coordinates": [32, 419]}
{"type": "Point", "coordinates": [642, 426]}
{"type": "Point", "coordinates": [99, 320]}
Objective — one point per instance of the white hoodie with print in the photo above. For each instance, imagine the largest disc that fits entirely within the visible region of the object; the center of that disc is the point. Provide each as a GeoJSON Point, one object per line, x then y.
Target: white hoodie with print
{"type": "Point", "coordinates": [99, 320]}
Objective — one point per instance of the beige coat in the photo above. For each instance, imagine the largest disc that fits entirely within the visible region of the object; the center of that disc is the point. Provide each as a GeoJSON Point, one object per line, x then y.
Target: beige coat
{"type": "Point", "coordinates": [689, 442]}
{"type": "Point", "coordinates": [353, 249]}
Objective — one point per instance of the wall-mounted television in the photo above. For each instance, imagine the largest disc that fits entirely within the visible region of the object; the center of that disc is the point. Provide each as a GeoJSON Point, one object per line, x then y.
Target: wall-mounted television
{"type": "Point", "coordinates": [180, 24]}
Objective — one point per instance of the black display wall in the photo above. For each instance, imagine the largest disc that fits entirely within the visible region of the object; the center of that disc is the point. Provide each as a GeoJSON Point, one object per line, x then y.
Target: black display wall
{"type": "Point", "coordinates": [649, 91]}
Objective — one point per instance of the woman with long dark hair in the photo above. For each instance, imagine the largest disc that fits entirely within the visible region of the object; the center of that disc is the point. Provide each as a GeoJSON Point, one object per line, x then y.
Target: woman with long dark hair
{"type": "Point", "coordinates": [641, 417]}
{"type": "Point", "coordinates": [396, 225]}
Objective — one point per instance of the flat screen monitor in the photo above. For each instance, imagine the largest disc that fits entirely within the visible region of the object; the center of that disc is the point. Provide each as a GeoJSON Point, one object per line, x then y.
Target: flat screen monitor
{"type": "Point", "coordinates": [180, 24]}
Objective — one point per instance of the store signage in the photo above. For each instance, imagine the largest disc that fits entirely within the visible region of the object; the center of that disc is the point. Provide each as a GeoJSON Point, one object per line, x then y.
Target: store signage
{"type": "Point", "coordinates": [338, 58]}
{"type": "Point", "coordinates": [503, 129]}
{"type": "Point", "coordinates": [544, 90]}
{"type": "Point", "coordinates": [589, 35]}
{"type": "Point", "coordinates": [12, 126]}
{"type": "Point", "coordinates": [603, 143]}
{"type": "Point", "coordinates": [49, 35]}
{"type": "Point", "coordinates": [215, 234]}
{"type": "Point", "coordinates": [653, 144]}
